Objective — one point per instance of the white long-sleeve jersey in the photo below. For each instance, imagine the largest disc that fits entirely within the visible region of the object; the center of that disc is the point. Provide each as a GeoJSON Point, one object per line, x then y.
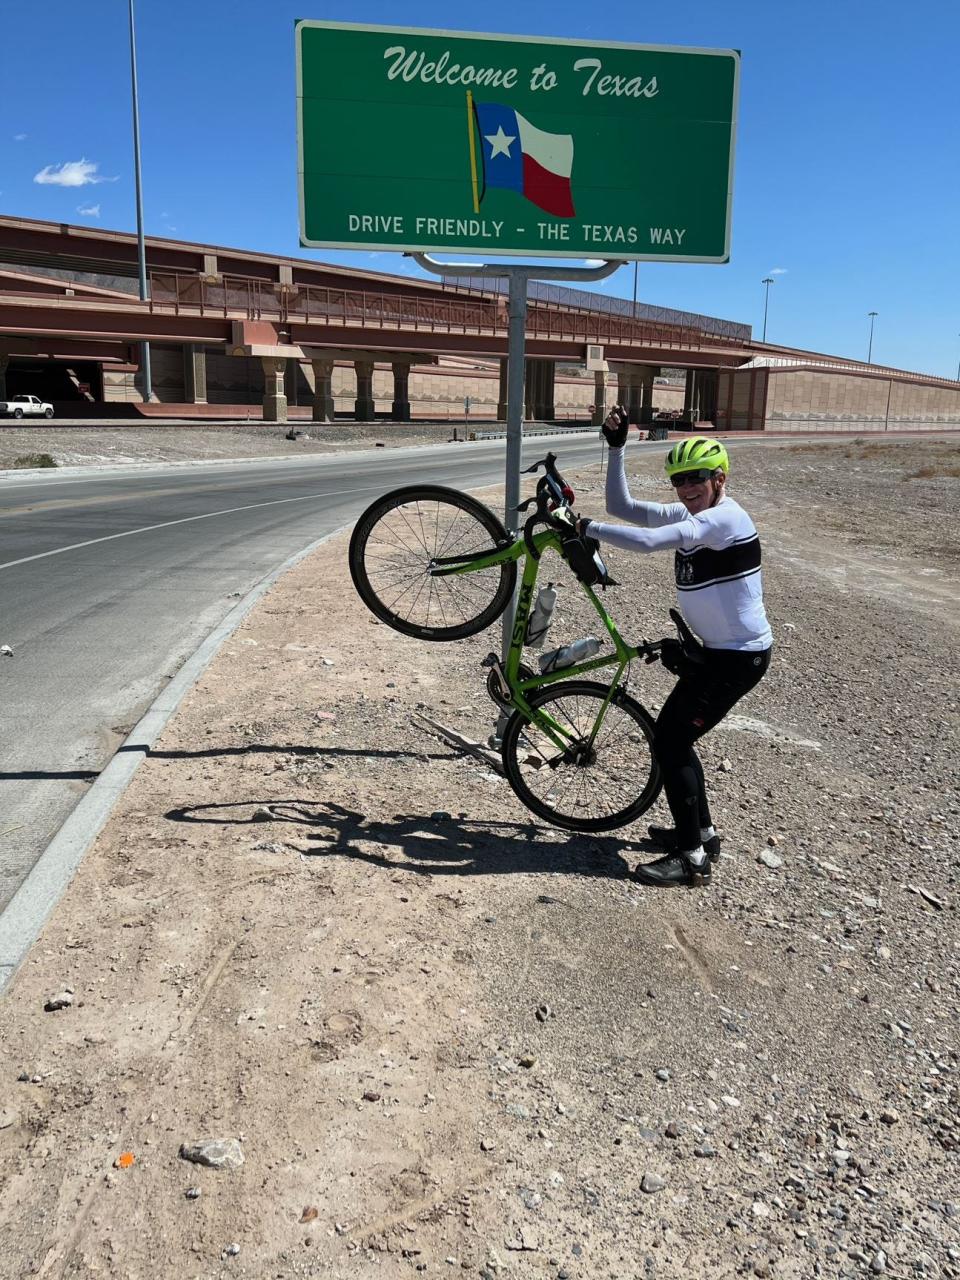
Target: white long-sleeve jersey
{"type": "Point", "coordinates": [716, 561]}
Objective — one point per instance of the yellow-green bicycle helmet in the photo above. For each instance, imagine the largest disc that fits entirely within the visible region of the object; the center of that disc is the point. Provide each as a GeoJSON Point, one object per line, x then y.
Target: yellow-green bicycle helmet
{"type": "Point", "coordinates": [697, 454]}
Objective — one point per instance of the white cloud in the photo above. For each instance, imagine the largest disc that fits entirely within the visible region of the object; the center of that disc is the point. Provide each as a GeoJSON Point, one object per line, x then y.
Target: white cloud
{"type": "Point", "coordinates": [779, 271]}
{"type": "Point", "coordinates": [72, 173]}
{"type": "Point", "coordinates": [88, 210]}
{"type": "Point", "coordinates": [19, 137]}
{"type": "Point", "coordinates": [594, 262]}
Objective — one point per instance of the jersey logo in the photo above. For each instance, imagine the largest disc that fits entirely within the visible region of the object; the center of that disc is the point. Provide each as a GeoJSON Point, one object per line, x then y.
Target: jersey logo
{"type": "Point", "coordinates": [705, 566]}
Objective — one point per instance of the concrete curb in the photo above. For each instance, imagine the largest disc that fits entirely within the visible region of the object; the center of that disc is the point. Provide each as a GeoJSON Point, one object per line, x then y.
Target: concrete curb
{"type": "Point", "coordinates": [29, 908]}
{"type": "Point", "coordinates": [52, 472]}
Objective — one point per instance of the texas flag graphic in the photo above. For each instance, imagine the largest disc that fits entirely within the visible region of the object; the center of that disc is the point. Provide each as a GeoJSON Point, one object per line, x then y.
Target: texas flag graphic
{"type": "Point", "coordinates": [520, 157]}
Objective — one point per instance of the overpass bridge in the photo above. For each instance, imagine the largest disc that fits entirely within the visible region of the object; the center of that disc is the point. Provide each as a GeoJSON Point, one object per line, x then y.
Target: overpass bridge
{"type": "Point", "coordinates": [68, 297]}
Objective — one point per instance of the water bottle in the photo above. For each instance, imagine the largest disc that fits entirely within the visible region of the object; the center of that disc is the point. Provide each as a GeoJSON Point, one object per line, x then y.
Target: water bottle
{"type": "Point", "coordinates": [568, 654]}
{"type": "Point", "coordinates": [542, 615]}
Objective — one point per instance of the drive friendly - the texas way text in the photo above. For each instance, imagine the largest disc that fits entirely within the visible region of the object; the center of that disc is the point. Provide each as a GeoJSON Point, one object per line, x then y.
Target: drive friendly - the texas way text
{"type": "Point", "coordinates": [598, 233]}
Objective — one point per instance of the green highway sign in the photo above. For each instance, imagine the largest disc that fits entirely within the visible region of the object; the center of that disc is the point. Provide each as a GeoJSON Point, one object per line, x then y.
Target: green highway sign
{"type": "Point", "coordinates": [419, 140]}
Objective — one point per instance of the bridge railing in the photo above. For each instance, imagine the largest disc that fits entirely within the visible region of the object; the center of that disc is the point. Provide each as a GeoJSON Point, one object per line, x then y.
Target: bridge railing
{"type": "Point", "coordinates": [446, 312]}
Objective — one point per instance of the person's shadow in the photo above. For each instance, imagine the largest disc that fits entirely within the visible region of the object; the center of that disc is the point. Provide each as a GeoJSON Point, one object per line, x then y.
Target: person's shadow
{"type": "Point", "coordinates": [437, 845]}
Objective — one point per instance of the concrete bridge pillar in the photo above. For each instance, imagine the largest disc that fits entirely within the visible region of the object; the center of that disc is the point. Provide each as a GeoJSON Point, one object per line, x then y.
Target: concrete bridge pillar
{"type": "Point", "coordinates": [400, 408]}
{"type": "Point", "coordinates": [194, 373]}
{"type": "Point", "coordinates": [539, 390]}
{"type": "Point", "coordinates": [322, 390]}
{"type": "Point", "coordinates": [691, 406]}
{"type": "Point", "coordinates": [647, 375]}
{"type": "Point", "coordinates": [502, 390]}
{"type": "Point", "coordinates": [630, 395]}
{"type": "Point", "coordinates": [290, 380]}
{"type": "Point", "coordinates": [708, 380]}
{"type": "Point", "coordinates": [363, 408]}
{"type": "Point", "coordinates": [599, 397]}
{"type": "Point", "coordinates": [274, 399]}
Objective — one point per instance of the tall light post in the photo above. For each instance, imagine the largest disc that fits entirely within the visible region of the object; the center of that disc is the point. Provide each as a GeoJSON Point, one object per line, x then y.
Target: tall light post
{"type": "Point", "coordinates": [141, 252]}
{"type": "Point", "coordinates": [767, 281]}
{"type": "Point", "coordinates": [873, 315]}
{"type": "Point", "coordinates": [636, 266]}
{"type": "Point", "coordinates": [958, 365]}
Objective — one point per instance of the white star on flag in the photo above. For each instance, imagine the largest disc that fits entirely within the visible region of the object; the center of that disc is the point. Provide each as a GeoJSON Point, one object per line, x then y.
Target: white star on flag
{"type": "Point", "coordinates": [499, 143]}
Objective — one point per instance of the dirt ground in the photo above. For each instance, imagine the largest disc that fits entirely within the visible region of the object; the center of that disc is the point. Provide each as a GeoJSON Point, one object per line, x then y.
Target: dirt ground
{"type": "Point", "coordinates": [82, 444]}
{"type": "Point", "coordinates": [449, 1039]}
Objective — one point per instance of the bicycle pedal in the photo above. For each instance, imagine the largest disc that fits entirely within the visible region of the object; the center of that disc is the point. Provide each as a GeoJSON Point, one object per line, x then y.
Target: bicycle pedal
{"type": "Point", "coordinates": [491, 660]}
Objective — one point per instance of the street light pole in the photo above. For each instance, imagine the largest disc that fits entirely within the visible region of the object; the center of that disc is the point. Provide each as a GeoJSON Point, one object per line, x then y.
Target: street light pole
{"type": "Point", "coordinates": [636, 266]}
{"type": "Point", "coordinates": [958, 365]}
{"type": "Point", "coordinates": [141, 251]}
{"type": "Point", "coordinates": [767, 281]}
{"type": "Point", "coordinates": [873, 315]}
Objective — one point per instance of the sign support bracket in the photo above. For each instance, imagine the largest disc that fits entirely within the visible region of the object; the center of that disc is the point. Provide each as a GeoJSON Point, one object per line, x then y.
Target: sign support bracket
{"type": "Point", "coordinates": [518, 277]}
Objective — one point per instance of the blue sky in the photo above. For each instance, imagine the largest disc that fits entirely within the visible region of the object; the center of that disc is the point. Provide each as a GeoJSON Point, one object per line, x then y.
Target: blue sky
{"type": "Point", "coordinates": [846, 186]}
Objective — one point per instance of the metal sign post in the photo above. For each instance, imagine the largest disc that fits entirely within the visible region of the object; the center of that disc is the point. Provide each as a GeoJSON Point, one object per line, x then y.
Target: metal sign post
{"type": "Point", "coordinates": [518, 277]}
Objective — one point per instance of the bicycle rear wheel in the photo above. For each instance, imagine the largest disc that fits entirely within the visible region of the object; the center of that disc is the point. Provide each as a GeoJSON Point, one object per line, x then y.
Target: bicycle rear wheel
{"type": "Point", "coordinates": [583, 787]}
{"type": "Point", "coordinates": [396, 541]}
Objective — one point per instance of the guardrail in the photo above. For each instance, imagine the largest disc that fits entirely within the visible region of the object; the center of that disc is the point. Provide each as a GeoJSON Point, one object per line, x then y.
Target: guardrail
{"type": "Point", "coordinates": [535, 431]}
{"type": "Point", "coordinates": [243, 297]}
{"type": "Point", "coordinates": [240, 296]}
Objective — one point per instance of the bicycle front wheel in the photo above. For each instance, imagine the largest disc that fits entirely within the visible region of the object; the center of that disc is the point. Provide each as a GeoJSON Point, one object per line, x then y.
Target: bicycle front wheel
{"type": "Point", "coordinates": [583, 785]}
{"type": "Point", "coordinates": [398, 539]}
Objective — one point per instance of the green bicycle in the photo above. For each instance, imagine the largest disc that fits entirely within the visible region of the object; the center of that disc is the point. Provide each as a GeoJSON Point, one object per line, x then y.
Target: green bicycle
{"type": "Point", "coordinates": [436, 564]}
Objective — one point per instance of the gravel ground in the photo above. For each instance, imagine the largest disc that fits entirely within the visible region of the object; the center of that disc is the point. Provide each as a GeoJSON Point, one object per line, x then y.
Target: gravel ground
{"type": "Point", "coordinates": [83, 445]}
{"type": "Point", "coordinates": [450, 1038]}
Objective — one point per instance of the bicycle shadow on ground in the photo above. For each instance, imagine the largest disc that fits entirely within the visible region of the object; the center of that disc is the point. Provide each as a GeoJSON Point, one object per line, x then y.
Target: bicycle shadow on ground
{"type": "Point", "coordinates": [266, 748]}
{"type": "Point", "coordinates": [421, 844]}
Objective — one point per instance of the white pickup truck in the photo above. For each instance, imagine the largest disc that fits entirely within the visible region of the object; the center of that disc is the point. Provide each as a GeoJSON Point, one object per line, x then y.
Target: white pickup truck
{"type": "Point", "coordinates": [25, 407]}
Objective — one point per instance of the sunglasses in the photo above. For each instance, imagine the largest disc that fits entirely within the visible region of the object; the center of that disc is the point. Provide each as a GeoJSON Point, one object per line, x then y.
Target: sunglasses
{"type": "Point", "coordinates": [690, 477]}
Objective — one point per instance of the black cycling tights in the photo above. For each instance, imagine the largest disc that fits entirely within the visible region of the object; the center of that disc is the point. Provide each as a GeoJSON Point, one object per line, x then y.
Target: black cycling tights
{"type": "Point", "coordinates": [697, 703]}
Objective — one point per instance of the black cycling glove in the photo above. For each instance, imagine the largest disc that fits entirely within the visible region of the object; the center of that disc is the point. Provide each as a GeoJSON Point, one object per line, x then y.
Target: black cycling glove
{"type": "Point", "coordinates": [616, 427]}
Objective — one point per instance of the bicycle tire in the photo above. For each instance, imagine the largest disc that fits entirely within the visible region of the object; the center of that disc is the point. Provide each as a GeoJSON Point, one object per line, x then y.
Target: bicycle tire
{"type": "Point", "coordinates": [393, 544]}
{"type": "Point", "coordinates": [599, 794]}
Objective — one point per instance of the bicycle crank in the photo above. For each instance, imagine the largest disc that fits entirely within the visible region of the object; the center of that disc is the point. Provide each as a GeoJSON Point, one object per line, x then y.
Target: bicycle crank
{"type": "Point", "coordinates": [497, 685]}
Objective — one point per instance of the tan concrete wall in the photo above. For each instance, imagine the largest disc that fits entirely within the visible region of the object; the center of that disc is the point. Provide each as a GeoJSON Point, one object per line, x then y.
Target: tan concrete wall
{"type": "Point", "coordinates": [743, 411]}
{"type": "Point", "coordinates": [442, 390]}
{"type": "Point", "coordinates": [822, 400]}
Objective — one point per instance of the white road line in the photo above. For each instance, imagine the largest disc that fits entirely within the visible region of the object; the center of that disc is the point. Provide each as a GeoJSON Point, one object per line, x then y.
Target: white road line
{"type": "Point", "coordinates": [275, 502]}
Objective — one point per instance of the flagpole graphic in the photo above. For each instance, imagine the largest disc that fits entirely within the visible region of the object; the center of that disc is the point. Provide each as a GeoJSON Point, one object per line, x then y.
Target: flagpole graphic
{"type": "Point", "coordinates": [473, 152]}
{"type": "Point", "coordinates": [518, 156]}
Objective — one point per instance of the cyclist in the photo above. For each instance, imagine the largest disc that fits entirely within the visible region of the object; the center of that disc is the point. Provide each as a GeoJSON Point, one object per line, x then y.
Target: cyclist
{"type": "Point", "coordinates": [717, 565]}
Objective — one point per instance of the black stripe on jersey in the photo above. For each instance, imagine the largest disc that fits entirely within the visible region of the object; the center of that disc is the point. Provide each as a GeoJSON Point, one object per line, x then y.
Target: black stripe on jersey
{"type": "Point", "coordinates": [704, 565]}
{"type": "Point", "coordinates": [716, 581]}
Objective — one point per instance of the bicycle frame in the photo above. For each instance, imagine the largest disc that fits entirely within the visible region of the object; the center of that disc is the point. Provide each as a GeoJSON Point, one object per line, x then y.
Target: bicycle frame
{"type": "Point", "coordinates": [518, 686]}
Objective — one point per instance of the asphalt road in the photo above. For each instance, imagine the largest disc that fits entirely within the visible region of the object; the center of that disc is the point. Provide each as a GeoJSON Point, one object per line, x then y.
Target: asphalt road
{"type": "Point", "coordinates": [110, 579]}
